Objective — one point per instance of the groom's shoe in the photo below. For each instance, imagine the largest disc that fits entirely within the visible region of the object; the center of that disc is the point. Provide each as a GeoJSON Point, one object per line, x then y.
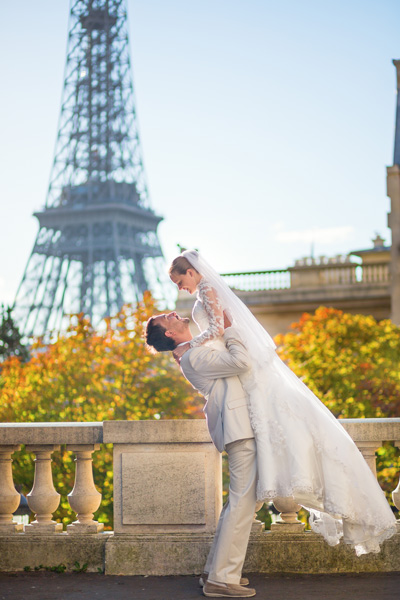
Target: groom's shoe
{"type": "Point", "coordinates": [227, 590]}
{"type": "Point", "coordinates": [204, 577]}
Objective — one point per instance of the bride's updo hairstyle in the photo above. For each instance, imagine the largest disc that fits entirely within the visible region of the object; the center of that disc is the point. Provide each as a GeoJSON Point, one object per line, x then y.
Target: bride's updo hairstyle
{"type": "Point", "coordinates": [180, 265]}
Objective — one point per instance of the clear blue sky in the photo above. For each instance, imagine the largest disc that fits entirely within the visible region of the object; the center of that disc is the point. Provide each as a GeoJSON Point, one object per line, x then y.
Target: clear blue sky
{"type": "Point", "coordinates": [265, 125]}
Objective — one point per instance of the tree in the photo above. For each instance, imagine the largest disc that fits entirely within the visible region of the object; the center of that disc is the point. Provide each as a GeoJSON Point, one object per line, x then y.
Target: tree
{"type": "Point", "coordinates": [351, 362]}
{"type": "Point", "coordinates": [89, 375]}
{"type": "Point", "coordinates": [10, 337]}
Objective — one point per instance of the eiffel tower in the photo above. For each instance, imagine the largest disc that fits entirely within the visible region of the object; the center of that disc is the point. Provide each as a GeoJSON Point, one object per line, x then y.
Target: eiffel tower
{"type": "Point", "coordinates": [97, 245]}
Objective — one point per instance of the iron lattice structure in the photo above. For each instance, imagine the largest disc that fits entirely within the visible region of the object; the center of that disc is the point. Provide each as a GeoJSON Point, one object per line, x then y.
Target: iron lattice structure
{"type": "Point", "coordinates": [97, 245]}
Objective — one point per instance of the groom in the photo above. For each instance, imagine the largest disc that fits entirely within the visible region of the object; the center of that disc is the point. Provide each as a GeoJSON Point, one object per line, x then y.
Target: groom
{"type": "Point", "coordinates": [214, 373]}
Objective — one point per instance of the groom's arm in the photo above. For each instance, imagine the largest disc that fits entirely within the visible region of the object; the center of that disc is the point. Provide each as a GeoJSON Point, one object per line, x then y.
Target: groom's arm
{"type": "Point", "coordinates": [214, 364]}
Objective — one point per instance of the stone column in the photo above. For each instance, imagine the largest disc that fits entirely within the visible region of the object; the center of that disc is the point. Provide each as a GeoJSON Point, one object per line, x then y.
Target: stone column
{"type": "Point", "coordinates": [368, 450]}
{"type": "Point", "coordinates": [9, 497]}
{"type": "Point", "coordinates": [396, 492]}
{"type": "Point", "coordinates": [289, 523]}
{"type": "Point", "coordinates": [43, 499]}
{"type": "Point", "coordinates": [167, 496]}
{"type": "Point", "coordinates": [84, 498]}
{"type": "Point", "coordinates": [393, 191]}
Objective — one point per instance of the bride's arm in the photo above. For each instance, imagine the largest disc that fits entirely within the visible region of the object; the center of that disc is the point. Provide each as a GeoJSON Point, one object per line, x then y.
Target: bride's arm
{"type": "Point", "coordinates": [215, 314]}
{"type": "Point", "coordinates": [216, 323]}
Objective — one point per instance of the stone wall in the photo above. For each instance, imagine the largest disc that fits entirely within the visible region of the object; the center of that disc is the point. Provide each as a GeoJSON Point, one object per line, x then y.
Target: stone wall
{"type": "Point", "coordinates": [167, 499]}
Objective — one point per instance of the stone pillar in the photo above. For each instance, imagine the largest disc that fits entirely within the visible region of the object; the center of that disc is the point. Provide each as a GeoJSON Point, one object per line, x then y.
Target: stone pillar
{"type": "Point", "coordinates": [289, 523]}
{"type": "Point", "coordinates": [368, 450]}
{"type": "Point", "coordinates": [393, 191]}
{"type": "Point", "coordinates": [9, 497]}
{"type": "Point", "coordinates": [396, 492]}
{"type": "Point", "coordinates": [43, 499]}
{"type": "Point", "coordinates": [84, 498]}
{"type": "Point", "coordinates": [167, 476]}
{"type": "Point", "coordinates": [167, 496]}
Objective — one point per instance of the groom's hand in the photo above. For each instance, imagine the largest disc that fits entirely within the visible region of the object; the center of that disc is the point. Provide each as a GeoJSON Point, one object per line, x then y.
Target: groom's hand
{"type": "Point", "coordinates": [176, 359]}
{"type": "Point", "coordinates": [180, 351]}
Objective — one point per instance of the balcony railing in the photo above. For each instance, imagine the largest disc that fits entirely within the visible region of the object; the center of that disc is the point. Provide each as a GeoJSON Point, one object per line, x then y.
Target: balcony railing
{"type": "Point", "coordinates": [309, 273]}
{"type": "Point", "coordinates": [42, 440]}
{"type": "Point", "coordinates": [278, 279]}
{"type": "Point", "coordinates": [167, 482]}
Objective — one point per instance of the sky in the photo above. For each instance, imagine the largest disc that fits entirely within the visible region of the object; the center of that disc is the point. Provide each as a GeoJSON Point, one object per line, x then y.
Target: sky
{"type": "Point", "coordinates": [266, 126]}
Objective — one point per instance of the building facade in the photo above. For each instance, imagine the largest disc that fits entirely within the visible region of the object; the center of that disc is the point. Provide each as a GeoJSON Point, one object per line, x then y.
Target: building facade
{"type": "Point", "coordinates": [355, 283]}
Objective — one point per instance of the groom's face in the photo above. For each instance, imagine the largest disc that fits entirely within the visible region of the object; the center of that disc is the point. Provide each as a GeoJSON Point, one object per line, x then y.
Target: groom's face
{"type": "Point", "coordinates": [173, 324]}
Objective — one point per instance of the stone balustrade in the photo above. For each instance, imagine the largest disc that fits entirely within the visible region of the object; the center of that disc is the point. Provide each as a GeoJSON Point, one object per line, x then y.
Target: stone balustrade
{"type": "Point", "coordinates": [42, 439]}
{"type": "Point", "coordinates": [277, 279]}
{"type": "Point", "coordinates": [311, 272]}
{"type": "Point", "coordinates": [167, 499]}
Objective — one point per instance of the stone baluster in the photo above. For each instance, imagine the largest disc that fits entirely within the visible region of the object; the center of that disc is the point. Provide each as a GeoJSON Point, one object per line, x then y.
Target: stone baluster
{"type": "Point", "coordinates": [257, 526]}
{"type": "Point", "coordinates": [43, 499]}
{"type": "Point", "coordinates": [9, 497]}
{"type": "Point", "coordinates": [289, 522]}
{"type": "Point", "coordinates": [368, 450]}
{"type": "Point", "coordinates": [84, 498]}
{"type": "Point", "coordinates": [396, 492]}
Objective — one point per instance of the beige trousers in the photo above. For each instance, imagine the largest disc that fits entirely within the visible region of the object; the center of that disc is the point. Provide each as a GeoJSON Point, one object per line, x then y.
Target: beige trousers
{"type": "Point", "coordinates": [226, 557]}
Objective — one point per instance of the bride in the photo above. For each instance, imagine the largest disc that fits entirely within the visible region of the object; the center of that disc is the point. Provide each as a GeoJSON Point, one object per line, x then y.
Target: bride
{"type": "Point", "coordinates": [302, 449]}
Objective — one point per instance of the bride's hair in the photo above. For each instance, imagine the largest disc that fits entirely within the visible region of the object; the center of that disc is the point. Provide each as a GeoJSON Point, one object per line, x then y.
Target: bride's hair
{"type": "Point", "coordinates": [180, 265]}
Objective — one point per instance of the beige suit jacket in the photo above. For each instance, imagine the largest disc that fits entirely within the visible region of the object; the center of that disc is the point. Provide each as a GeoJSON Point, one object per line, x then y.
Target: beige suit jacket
{"type": "Point", "coordinates": [214, 373]}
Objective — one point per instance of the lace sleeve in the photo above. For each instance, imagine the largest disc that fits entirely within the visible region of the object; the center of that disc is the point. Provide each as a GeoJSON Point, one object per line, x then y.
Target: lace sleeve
{"type": "Point", "coordinates": [213, 308]}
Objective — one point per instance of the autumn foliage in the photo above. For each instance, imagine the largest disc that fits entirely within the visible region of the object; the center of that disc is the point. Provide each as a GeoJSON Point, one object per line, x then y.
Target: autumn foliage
{"type": "Point", "coordinates": [350, 361]}
{"type": "Point", "coordinates": [89, 375]}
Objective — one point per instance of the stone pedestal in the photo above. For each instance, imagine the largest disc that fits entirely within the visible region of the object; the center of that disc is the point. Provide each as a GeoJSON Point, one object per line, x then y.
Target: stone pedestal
{"type": "Point", "coordinates": [167, 477]}
{"type": "Point", "coordinates": [167, 496]}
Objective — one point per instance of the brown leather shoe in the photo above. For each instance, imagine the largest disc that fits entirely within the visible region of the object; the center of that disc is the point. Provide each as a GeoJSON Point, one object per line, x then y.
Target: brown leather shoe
{"type": "Point", "coordinates": [204, 577]}
{"type": "Point", "coordinates": [227, 590]}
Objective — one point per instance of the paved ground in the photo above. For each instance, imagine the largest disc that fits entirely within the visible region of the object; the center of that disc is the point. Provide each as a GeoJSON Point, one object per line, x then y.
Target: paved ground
{"type": "Point", "coordinates": [85, 586]}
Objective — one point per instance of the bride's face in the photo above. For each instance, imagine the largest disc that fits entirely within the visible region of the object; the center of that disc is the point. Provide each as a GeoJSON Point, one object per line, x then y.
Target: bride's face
{"type": "Point", "coordinates": [186, 281]}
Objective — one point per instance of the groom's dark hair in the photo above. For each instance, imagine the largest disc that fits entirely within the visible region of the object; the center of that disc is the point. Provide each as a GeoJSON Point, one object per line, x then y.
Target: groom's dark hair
{"type": "Point", "coordinates": [156, 338]}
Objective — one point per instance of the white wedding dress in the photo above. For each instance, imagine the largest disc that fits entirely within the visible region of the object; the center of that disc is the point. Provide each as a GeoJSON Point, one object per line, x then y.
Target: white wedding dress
{"type": "Point", "coordinates": [302, 450]}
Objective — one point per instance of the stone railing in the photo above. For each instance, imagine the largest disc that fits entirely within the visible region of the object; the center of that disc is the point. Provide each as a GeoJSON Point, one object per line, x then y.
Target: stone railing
{"type": "Point", "coordinates": [355, 274]}
{"type": "Point", "coordinates": [167, 496]}
{"type": "Point", "coordinates": [309, 273]}
{"type": "Point", "coordinates": [252, 281]}
{"type": "Point", "coordinates": [42, 439]}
